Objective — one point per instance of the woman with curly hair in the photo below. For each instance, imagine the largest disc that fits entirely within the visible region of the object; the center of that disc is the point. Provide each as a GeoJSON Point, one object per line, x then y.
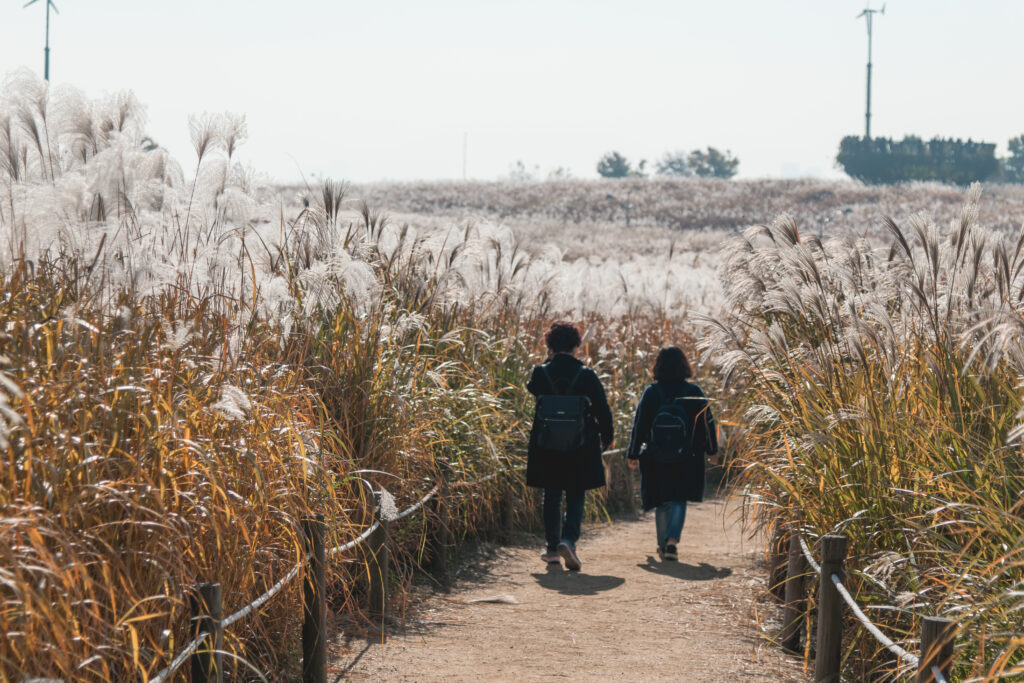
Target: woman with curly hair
{"type": "Point", "coordinates": [673, 432]}
{"type": "Point", "coordinates": [572, 425]}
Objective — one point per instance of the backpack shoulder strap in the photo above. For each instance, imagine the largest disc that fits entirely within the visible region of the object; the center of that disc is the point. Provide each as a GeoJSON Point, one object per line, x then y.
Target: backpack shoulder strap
{"type": "Point", "coordinates": [547, 376]}
{"type": "Point", "coordinates": [575, 377]}
{"type": "Point", "coordinates": [663, 395]}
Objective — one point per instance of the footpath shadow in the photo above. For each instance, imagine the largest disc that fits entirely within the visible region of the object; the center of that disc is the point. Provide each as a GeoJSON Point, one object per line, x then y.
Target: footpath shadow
{"type": "Point", "coordinates": [686, 572]}
{"type": "Point", "coordinates": [576, 583]}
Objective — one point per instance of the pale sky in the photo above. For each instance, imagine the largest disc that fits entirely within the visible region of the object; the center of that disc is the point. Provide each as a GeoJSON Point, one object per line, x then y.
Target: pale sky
{"type": "Point", "coordinates": [387, 89]}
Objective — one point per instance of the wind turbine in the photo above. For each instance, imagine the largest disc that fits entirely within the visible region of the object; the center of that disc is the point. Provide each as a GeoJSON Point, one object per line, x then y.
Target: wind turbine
{"type": "Point", "coordinates": [46, 66]}
{"type": "Point", "coordinates": [868, 15]}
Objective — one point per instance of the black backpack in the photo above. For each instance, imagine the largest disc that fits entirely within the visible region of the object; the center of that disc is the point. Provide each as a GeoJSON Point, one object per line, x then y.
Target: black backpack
{"type": "Point", "coordinates": [561, 418]}
{"type": "Point", "coordinates": [671, 440]}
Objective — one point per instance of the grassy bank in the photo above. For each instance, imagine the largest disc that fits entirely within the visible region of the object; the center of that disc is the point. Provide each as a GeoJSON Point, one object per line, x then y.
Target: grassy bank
{"type": "Point", "coordinates": [878, 388]}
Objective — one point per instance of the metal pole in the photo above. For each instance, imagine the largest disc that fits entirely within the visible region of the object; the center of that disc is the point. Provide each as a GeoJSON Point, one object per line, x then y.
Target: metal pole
{"type": "Point", "coordinates": [867, 114]}
{"type": "Point", "coordinates": [830, 611]}
{"type": "Point", "coordinates": [46, 64]}
{"type": "Point", "coordinates": [207, 662]}
{"type": "Point", "coordinates": [937, 636]}
{"type": "Point", "coordinates": [314, 612]}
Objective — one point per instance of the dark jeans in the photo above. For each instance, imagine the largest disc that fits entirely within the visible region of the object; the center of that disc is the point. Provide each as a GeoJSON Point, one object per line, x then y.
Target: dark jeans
{"type": "Point", "coordinates": [555, 529]}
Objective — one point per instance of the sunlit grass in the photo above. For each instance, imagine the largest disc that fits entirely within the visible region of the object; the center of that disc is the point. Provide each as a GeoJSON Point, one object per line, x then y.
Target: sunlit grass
{"type": "Point", "coordinates": [880, 391]}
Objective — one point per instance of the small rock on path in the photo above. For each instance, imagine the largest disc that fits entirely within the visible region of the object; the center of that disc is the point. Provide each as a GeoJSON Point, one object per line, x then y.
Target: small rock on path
{"type": "Point", "coordinates": [625, 617]}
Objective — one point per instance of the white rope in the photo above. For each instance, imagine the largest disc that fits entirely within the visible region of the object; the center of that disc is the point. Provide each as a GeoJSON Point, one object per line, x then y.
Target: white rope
{"type": "Point", "coordinates": [489, 477]}
{"type": "Point", "coordinates": [413, 508]}
{"type": "Point", "coordinates": [807, 554]}
{"type": "Point", "coordinates": [260, 601]}
{"type": "Point", "coordinates": [240, 614]}
{"type": "Point", "coordinates": [354, 542]}
{"type": "Point", "coordinates": [872, 629]}
{"type": "Point", "coordinates": [276, 588]}
{"type": "Point", "coordinates": [179, 660]}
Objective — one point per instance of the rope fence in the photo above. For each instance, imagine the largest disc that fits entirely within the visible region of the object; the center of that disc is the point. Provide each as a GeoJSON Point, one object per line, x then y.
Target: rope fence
{"type": "Point", "coordinates": [205, 662]}
{"type": "Point", "coordinates": [937, 634]}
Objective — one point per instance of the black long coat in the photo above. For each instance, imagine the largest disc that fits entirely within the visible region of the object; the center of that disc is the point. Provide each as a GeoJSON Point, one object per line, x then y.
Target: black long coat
{"type": "Point", "coordinates": [671, 482]}
{"type": "Point", "coordinates": [583, 468]}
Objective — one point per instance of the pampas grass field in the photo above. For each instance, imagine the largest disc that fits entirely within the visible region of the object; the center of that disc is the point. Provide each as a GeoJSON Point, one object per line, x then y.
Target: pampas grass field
{"type": "Point", "coordinates": [193, 360]}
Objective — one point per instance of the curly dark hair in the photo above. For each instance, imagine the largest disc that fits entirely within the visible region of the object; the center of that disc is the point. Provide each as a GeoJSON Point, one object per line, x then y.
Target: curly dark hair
{"type": "Point", "coordinates": [671, 366]}
{"type": "Point", "coordinates": [562, 337]}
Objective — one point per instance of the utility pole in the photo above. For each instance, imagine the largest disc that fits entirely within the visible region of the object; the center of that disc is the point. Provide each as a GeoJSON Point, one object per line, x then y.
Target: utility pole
{"type": "Point", "coordinates": [868, 15]}
{"type": "Point", "coordinates": [46, 51]}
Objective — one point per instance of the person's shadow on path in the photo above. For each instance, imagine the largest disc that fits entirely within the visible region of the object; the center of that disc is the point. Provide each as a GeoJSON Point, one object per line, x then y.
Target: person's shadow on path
{"type": "Point", "coordinates": [576, 583]}
{"type": "Point", "coordinates": [686, 572]}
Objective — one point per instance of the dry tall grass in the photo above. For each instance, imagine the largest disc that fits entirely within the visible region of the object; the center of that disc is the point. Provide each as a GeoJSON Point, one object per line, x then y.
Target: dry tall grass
{"type": "Point", "coordinates": [880, 390]}
{"type": "Point", "coordinates": [189, 369]}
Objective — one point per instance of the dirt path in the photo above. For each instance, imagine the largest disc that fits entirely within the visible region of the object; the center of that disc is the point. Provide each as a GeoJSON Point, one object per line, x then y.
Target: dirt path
{"type": "Point", "coordinates": [626, 616]}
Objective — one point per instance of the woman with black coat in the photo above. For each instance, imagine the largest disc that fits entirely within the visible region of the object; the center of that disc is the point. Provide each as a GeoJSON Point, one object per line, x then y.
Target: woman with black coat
{"type": "Point", "coordinates": [671, 472]}
{"type": "Point", "coordinates": [579, 467]}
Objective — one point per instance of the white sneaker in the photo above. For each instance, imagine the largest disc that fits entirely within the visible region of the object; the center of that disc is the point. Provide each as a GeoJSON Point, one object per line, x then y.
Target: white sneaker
{"type": "Point", "coordinates": [568, 553]}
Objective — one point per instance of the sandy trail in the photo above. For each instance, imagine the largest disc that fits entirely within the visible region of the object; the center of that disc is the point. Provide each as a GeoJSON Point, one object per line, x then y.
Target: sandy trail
{"type": "Point", "coordinates": [626, 616]}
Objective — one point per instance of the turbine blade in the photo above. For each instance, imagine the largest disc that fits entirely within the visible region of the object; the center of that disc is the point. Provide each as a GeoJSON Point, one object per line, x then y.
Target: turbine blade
{"type": "Point", "coordinates": [50, 2]}
{"type": "Point", "coordinates": [29, 3]}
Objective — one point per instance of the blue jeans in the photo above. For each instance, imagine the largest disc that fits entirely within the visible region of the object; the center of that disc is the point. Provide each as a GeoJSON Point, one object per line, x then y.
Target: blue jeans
{"type": "Point", "coordinates": [669, 518]}
{"type": "Point", "coordinates": [555, 529]}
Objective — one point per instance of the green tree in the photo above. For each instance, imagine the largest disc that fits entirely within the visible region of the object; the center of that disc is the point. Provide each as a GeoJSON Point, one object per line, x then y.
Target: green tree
{"type": "Point", "coordinates": [520, 172]}
{"type": "Point", "coordinates": [614, 165]}
{"type": "Point", "coordinates": [713, 163]}
{"type": "Point", "coordinates": [947, 160]}
{"type": "Point", "coordinates": [1013, 165]}
{"type": "Point", "coordinates": [674, 164]}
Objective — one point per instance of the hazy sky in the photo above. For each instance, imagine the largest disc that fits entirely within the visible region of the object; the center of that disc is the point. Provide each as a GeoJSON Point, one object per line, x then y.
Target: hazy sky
{"type": "Point", "coordinates": [386, 89]}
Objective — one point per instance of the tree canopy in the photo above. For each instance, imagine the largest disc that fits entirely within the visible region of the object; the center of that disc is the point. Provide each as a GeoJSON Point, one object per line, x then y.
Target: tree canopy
{"type": "Point", "coordinates": [884, 160]}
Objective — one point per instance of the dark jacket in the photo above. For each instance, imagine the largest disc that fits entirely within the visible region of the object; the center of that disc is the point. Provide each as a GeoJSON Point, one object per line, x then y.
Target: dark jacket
{"type": "Point", "coordinates": [576, 470]}
{"type": "Point", "coordinates": [671, 482]}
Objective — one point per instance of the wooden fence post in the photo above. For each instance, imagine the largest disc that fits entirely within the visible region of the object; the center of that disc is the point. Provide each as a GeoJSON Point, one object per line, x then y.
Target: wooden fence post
{"type": "Point", "coordinates": [830, 610]}
{"type": "Point", "coordinates": [777, 558]}
{"type": "Point", "coordinates": [937, 635]}
{"type": "Point", "coordinates": [440, 537]}
{"type": "Point", "coordinates": [379, 568]}
{"type": "Point", "coordinates": [314, 605]}
{"type": "Point", "coordinates": [794, 594]}
{"type": "Point", "coordinates": [207, 662]}
{"type": "Point", "coordinates": [507, 506]}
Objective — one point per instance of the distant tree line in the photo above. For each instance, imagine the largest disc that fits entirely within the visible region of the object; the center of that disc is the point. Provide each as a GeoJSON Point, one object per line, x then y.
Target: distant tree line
{"type": "Point", "coordinates": [710, 163]}
{"type": "Point", "coordinates": [884, 160]}
{"type": "Point", "coordinates": [1013, 165]}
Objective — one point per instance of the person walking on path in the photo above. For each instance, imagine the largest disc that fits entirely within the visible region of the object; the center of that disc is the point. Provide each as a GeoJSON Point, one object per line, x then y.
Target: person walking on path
{"type": "Point", "coordinates": [572, 425]}
{"type": "Point", "coordinates": [673, 432]}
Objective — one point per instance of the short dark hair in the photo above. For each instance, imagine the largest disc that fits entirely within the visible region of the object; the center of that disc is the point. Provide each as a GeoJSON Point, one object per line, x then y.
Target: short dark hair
{"type": "Point", "coordinates": [671, 366]}
{"type": "Point", "coordinates": [562, 337]}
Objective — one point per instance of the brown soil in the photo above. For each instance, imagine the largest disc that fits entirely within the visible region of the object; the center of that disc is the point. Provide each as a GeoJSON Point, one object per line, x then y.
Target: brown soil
{"type": "Point", "coordinates": [626, 616]}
